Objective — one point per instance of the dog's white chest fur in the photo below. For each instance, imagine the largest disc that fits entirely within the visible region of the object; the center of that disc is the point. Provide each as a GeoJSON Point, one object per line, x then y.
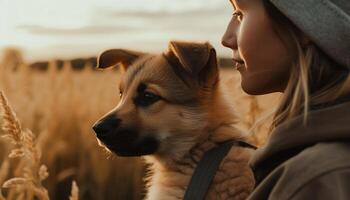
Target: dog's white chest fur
{"type": "Point", "coordinates": [167, 185]}
{"type": "Point", "coordinates": [159, 191]}
{"type": "Point", "coordinates": [234, 179]}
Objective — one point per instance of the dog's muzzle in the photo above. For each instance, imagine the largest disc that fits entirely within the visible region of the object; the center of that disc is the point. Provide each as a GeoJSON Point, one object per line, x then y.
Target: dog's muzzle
{"type": "Point", "coordinates": [123, 141]}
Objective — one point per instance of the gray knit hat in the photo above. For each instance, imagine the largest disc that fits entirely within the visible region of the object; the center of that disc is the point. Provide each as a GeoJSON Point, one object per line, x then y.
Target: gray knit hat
{"type": "Point", "coordinates": [326, 22]}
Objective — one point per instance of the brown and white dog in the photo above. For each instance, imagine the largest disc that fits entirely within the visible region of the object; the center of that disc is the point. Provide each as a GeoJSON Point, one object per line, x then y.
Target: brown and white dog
{"type": "Point", "coordinates": [172, 110]}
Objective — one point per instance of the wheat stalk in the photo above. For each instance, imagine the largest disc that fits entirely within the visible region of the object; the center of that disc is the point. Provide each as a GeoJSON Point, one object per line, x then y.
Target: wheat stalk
{"type": "Point", "coordinates": [11, 124]}
{"type": "Point", "coordinates": [74, 192]}
{"type": "Point", "coordinates": [26, 149]}
{"type": "Point", "coordinates": [3, 174]}
{"type": "Point", "coordinates": [5, 166]}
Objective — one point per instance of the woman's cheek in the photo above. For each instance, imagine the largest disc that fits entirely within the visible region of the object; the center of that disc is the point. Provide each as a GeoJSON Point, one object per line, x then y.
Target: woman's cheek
{"type": "Point", "coordinates": [264, 57]}
{"type": "Point", "coordinates": [250, 38]}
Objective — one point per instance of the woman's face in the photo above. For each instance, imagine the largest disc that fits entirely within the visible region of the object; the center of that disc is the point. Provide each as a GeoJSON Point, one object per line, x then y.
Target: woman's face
{"type": "Point", "coordinates": [264, 61]}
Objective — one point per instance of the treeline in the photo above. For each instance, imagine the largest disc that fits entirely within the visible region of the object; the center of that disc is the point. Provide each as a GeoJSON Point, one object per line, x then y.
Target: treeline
{"type": "Point", "coordinates": [13, 59]}
{"type": "Point", "coordinates": [81, 63]}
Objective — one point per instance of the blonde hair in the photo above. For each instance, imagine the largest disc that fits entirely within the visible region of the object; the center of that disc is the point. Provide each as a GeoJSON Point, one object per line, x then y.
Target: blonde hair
{"type": "Point", "coordinates": [298, 97]}
{"type": "Point", "coordinates": [314, 80]}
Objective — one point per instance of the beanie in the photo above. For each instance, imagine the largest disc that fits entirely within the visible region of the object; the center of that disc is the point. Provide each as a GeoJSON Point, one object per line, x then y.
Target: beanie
{"type": "Point", "coordinates": [326, 22]}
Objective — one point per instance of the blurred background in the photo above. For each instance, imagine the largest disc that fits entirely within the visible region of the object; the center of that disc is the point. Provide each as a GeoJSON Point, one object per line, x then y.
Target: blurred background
{"type": "Point", "coordinates": [50, 29]}
{"type": "Point", "coordinates": [48, 53]}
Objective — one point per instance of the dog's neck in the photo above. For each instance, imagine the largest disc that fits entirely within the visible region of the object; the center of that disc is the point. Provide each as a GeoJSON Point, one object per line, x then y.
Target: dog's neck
{"type": "Point", "coordinates": [167, 172]}
{"type": "Point", "coordinates": [175, 168]}
{"type": "Point", "coordinates": [191, 157]}
{"type": "Point", "coordinates": [221, 127]}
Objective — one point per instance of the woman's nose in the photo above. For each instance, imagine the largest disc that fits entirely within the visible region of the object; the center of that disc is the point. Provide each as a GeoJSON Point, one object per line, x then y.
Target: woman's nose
{"type": "Point", "coordinates": [229, 39]}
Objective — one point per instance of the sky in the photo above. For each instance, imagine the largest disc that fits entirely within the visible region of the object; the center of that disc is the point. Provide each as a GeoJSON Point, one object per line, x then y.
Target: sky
{"type": "Point", "coordinates": [49, 29]}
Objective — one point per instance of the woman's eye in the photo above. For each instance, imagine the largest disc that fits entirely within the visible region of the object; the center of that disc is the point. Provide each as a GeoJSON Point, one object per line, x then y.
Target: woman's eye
{"type": "Point", "coordinates": [238, 15]}
{"type": "Point", "coordinates": [146, 99]}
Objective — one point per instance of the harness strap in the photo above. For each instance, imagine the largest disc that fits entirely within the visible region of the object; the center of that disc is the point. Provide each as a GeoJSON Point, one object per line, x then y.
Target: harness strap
{"type": "Point", "coordinates": [207, 167]}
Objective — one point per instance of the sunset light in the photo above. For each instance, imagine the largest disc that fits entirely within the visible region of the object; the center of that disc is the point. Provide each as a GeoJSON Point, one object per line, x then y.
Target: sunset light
{"type": "Point", "coordinates": [64, 29]}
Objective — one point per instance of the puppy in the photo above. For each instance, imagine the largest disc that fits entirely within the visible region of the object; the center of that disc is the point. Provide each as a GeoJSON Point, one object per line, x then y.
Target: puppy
{"type": "Point", "coordinates": [172, 110]}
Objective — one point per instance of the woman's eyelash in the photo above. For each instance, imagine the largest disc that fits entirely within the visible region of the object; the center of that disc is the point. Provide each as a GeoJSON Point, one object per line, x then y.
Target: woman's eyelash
{"type": "Point", "coordinates": [238, 15]}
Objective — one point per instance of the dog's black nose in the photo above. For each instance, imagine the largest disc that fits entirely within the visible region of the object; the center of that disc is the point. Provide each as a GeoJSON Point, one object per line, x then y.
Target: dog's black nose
{"type": "Point", "coordinates": [105, 125]}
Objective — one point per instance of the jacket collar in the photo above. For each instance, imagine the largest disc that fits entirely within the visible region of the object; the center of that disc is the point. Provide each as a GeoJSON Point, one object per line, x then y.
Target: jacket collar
{"type": "Point", "coordinates": [328, 122]}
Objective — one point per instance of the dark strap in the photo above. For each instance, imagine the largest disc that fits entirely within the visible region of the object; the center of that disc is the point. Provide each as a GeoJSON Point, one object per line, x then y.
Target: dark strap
{"type": "Point", "coordinates": [207, 167]}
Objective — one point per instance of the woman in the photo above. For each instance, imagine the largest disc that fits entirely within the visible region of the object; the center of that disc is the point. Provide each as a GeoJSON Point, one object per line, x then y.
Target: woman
{"type": "Point", "coordinates": [302, 49]}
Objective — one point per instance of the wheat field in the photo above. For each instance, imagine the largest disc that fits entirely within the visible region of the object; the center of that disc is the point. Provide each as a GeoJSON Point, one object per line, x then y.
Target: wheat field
{"type": "Point", "coordinates": [48, 149]}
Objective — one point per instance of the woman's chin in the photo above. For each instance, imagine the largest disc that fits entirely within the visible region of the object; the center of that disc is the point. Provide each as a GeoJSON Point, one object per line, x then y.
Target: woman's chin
{"type": "Point", "coordinates": [251, 91]}
{"type": "Point", "coordinates": [257, 88]}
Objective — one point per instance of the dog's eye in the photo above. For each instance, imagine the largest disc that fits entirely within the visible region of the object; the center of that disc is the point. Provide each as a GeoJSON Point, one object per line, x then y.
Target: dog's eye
{"type": "Point", "coordinates": [147, 99]}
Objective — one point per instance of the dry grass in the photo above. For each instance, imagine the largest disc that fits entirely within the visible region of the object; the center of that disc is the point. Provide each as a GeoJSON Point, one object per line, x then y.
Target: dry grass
{"type": "Point", "coordinates": [75, 192]}
{"type": "Point", "coordinates": [60, 107]}
{"type": "Point", "coordinates": [29, 184]}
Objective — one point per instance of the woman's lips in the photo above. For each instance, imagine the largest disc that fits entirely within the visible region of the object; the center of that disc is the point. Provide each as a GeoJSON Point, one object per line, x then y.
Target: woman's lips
{"type": "Point", "coordinates": [238, 64]}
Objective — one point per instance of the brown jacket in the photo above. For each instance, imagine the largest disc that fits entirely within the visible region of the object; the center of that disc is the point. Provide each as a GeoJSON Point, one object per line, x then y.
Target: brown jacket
{"type": "Point", "coordinates": [307, 162]}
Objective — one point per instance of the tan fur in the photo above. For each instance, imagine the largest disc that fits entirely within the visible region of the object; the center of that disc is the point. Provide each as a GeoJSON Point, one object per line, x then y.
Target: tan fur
{"type": "Point", "coordinates": [234, 179]}
{"type": "Point", "coordinates": [185, 131]}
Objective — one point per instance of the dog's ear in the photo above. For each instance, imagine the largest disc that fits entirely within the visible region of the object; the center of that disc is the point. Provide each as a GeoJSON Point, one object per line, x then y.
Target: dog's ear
{"type": "Point", "coordinates": [114, 57]}
{"type": "Point", "coordinates": [198, 60]}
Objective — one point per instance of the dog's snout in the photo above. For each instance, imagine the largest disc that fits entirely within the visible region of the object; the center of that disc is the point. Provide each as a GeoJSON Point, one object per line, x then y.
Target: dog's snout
{"type": "Point", "coordinates": [105, 125]}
